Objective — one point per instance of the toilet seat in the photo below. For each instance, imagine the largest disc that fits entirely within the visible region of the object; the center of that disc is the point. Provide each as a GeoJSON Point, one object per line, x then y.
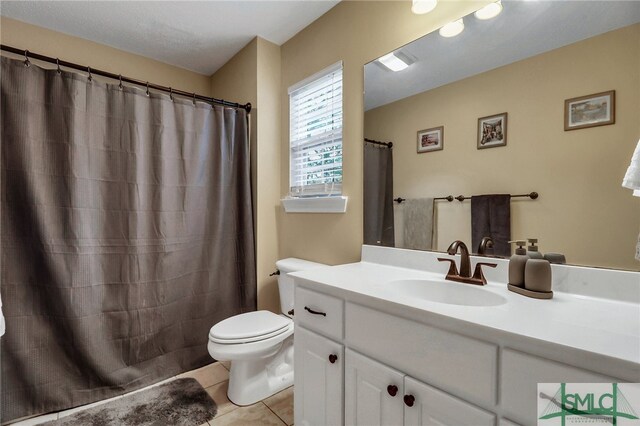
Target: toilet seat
{"type": "Point", "coordinates": [249, 350]}
{"type": "Point", "coordinates": [249, 327]}
{"type": "Point", "coordinates": [248, 339]}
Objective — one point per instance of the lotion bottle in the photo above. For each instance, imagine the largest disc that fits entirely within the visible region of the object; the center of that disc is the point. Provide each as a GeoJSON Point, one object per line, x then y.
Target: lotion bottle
{"type": "Point", "coordinates": [517, 264]}
{"type": "Point", "coordinates": [538, 275]}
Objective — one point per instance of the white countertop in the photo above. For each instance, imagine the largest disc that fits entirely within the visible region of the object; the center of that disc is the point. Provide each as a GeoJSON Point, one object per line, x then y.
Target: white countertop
{"type": "Point", "coordinates": [599, 326]}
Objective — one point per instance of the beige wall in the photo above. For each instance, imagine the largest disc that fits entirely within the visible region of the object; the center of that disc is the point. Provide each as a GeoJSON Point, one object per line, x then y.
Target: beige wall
{"type": "Point", "coordinates": [268, 172]}
{"type": "Point", "coordinates": [51, 43]}
{"type": "Point", "coordinates": [254, 76]}
{"type": "Point", "coordinates": [355, 32]}
{"type": "Point", "coordinates": [582, 211]}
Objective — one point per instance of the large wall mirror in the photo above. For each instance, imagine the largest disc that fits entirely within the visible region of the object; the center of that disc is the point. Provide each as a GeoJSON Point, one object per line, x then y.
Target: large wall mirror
{"type": "Point", "coordinates": [544, 98]}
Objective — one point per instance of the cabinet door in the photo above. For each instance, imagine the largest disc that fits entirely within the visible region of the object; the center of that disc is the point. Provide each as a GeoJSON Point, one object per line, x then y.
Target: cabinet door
{"type": "Point", "coordinates": [425, 405]}
{"type": "Point", "coordinates": [521, 374]}
{"type": "Point", "coordinates": [319, 379]}
{"type": "Point", "coordinates": [373, 392]}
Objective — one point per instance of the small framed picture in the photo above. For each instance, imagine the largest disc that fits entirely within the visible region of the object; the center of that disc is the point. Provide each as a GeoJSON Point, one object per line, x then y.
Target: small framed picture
{"type": "Point", "coordinates": [492, 131]}
{"type": "Point", "coordinates": [594, 110]}
{"type": "Point", "coordinates": [431, 139]}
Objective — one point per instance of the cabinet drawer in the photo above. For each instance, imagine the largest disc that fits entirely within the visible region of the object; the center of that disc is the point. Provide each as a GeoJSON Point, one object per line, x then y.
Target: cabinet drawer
{"type": "Point", "coordinates": [319, 312]}
{"type": "Point", "coordinates": [521, 374]}
{"type": "Point", "coordinates": [454, 363]}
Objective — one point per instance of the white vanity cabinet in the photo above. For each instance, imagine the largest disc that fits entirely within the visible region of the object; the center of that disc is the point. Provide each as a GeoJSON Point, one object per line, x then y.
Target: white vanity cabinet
{"type": "Point", "coordinates": [400, 365]}
{"type": "Point", "coordinates": [377, 395]}
{"type": "Point", "coordinates": [334, 386]}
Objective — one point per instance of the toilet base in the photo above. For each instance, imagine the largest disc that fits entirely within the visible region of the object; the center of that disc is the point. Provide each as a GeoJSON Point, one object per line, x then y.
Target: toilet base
{"type": "Point", "coordinates": [252, 380]}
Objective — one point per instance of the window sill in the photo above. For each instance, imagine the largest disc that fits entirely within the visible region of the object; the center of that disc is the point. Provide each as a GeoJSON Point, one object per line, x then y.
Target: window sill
{"type": "Point", "coordinates": [337, 204]}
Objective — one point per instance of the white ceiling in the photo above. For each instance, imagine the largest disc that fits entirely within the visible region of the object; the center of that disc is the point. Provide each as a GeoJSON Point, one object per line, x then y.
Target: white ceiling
{"type": "Point", "coordinates": [522, 30]}
{"type": "Point", "coordinates": [197, 35]}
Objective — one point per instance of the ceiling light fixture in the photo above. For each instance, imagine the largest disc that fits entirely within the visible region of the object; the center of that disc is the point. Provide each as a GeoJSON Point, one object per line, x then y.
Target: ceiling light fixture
{"type": "Point", "coordinates": [420, 7]}
{"type": "Point", "coordinates": [452, 29]}
{"type": "Point", "coordinates": [489, 11]}
{"type": "Point", "coordinates": [392, 62]}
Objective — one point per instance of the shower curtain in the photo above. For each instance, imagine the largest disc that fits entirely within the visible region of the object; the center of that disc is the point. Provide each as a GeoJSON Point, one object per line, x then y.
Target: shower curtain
{"type": "Point", "coordinates": [378, 195]}
{"type": "Point", "coordinates": [126, 233]}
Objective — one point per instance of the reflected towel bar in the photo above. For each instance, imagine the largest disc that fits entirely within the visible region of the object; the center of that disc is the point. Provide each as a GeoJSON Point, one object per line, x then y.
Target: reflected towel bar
{"type": "Point", "coordinates": [532, 195]}
{"type": "Point", "coordinates": [461, 198]}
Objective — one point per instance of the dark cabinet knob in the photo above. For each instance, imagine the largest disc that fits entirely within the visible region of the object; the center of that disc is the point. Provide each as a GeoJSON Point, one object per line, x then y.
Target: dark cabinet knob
{"type": "Point", "coordinates": [333, 358]}
{"type": "Point", "coordinates": [392, 389]}
{"type": "Point", "coordinates": [409, 400]}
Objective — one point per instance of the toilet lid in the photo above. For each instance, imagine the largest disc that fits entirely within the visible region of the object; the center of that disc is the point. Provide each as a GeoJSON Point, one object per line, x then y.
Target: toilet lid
{"type": "Point", "coordinates": [249, 327]}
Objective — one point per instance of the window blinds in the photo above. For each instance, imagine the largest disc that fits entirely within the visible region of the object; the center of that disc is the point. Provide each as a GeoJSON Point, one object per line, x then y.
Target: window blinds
{"type": "Point", "coordinates": [315, 125]}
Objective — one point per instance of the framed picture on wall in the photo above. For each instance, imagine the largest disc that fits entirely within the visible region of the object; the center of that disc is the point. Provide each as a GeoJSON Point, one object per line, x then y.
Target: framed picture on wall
{"type": "Point", "coordinates": [431, 139]}
{"type": "Point", "coordinates": [594, 110]}
{"type": "Point", "coordinates": [492, 131]}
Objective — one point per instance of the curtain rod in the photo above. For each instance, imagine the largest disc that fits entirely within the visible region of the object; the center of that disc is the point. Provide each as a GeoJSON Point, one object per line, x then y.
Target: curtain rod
{"type": "Point", "coordinates": [27, 54]}
{"type": "Point", "coordinates": [461, 198]}
{"type": "Point", "coordinates": [387, 144]}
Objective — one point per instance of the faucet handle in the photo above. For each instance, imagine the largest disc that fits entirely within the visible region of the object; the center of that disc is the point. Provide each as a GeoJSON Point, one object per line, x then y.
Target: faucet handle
{"type": "Point", "coordinates": [478, 275]}
{"type": "Point", "coordinates": [453, 270]}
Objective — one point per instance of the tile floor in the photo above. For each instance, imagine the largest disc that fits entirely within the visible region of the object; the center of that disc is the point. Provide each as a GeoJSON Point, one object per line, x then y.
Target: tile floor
{"type": "Point", "coordinates": [276, 410]}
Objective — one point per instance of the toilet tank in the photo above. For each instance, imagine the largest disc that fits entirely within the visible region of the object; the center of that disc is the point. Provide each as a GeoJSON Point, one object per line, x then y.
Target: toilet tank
{"type": "Point", "coordinates": [285, 282]}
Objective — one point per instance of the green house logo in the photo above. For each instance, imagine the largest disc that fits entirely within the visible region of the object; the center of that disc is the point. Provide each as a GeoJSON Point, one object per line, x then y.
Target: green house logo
{"type": "Point", "coordinates": [588, 403]}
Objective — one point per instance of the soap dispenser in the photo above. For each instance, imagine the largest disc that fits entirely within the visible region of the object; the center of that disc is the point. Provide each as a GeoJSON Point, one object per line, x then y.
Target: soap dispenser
{"type": "Point", "coordinates": [517, 264]}
{"type": "Point", "coordinates": [532, 249]}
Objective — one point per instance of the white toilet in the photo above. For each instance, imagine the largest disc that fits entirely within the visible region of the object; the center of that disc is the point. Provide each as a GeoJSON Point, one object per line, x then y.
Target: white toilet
{"type": "Point", "coordinates": [259, 344]}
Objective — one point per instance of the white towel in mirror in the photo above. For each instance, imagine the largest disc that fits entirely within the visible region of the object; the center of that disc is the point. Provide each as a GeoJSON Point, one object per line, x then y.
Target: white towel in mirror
{"type": "Point", "coordinates": [632, 177]}
{"type": "Point", "coordinates": [632, 181]}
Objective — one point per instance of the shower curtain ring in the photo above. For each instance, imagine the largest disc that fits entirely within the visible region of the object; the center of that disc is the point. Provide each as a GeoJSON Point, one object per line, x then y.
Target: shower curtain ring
{"type": "Point", "coordinates": [148, 89]}
{"type": "Point", "coordinates": [27, 63]}
{"type": "Point", "coordinates": [120, 82]}
{"type": "Point", "coordinates": [194, 98]}
{"type": "Point", "coordinates": [59, 71]}
{"type": "Point", "coordinates": [89, 71]}
{"type": "Point", "coordinates": [171, 93]}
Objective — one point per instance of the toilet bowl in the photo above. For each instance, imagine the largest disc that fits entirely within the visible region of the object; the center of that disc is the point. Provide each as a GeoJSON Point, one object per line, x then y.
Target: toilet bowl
{"type": "Point", "coordinates": [259, 344]}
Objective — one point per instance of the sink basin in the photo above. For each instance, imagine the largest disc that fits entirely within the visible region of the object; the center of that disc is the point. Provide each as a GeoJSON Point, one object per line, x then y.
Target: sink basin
{"type": "Point", "coordinates": [450, 293]}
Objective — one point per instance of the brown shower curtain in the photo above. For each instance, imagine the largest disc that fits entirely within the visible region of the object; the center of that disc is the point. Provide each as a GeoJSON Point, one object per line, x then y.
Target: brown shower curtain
{"type": "Point", "coordinates": [378, 195]}
{"type": "Point", "coordinates": [126, 233]}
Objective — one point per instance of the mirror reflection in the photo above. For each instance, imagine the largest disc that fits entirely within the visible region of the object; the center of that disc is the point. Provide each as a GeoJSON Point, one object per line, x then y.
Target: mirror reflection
{"type": "Point", "coordinates": [519, 127]}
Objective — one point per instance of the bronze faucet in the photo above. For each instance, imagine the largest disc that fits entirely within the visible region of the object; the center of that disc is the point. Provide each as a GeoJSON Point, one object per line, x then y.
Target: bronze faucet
{"type": "Point", "coordinates": [465, 266]}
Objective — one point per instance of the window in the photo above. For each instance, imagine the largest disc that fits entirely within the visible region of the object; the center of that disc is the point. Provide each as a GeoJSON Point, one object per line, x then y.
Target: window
{"type": "Point", "coordinates": [315, 130]}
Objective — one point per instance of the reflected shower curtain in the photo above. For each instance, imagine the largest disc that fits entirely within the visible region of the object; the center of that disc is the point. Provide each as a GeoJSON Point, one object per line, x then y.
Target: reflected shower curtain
{"type": "Point", "coordinates": [378, 195]}
{"type": "Point", "coordinates": [127, 232]}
